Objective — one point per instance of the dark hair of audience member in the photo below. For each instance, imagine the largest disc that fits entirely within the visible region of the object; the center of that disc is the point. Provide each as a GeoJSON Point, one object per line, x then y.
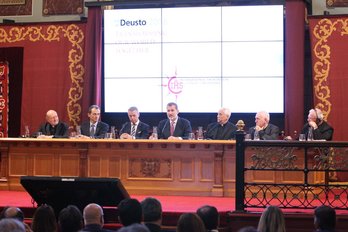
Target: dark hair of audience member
{"type": "Point", "coordinates": [152, 209]}
{"type": "Point", "coordinates": [136, 227]}
{"type": "Point", "coordinates": [11, 225]}
{"type": "Point", "coordinates": [272, 219]}
{"type": "Point", "coordinates": [44, 219]}
{"type": "Point", "coordinates": [325, 218]}
{"type": "Point", "coordinates": [209, 216]}
{"type": "Point", "coordinates": [129, 211]}
{"type": "Point", "coordinates": [70, 219]}
{"type": "Point", "coordinates": [190, 222]}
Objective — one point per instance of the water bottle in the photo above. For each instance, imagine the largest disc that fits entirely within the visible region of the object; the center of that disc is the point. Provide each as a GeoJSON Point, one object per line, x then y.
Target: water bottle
{"type": "Point", "coordinates": [256, 135]}
{"type": "Point", "coordinates": [310, 134]}
{"type": "Point", "coordinates": [200, 135]}
{"type": "Point", "coordinates": [154, 133]}
{"type": "Point", "coordinates": [26, 132]}
{"type": "Point", "coordinates": [113, 132]}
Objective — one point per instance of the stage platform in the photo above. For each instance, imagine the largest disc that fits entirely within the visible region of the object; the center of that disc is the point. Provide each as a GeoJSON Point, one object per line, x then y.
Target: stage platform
{"type": "Point", "coordinates": [174, 206]}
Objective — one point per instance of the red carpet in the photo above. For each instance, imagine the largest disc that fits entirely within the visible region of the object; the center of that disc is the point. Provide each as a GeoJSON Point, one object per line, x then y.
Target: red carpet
{"type": "Point", "coordinates": [169, 203]}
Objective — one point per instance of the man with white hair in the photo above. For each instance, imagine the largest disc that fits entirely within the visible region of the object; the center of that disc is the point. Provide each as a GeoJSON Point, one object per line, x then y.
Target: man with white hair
{"type": "Point", "coordinates": [53, 128]}
{"type": "Point", "coordinates": [264, 129]}
{"type": "Point", "coordinates": [316, 124]}
{"type": "Point", "coordinates": [222, 129]}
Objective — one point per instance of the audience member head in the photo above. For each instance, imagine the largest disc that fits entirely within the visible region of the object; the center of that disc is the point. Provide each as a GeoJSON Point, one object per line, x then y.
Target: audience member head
{"type": "Point", "coordinates": [190, 222]}
{"type": "Point", "coordinates": [172, 111]}
{"type": "Point", "coordinates": [2, 213]}
{"type": "Point", "coordinates": [325, 218]}
{"type": "Point", "coordinates": [70, 219]}
{"type": "Point", "coordinates": [209, 216]}
{"type": "Point", "coordinates": [11, 225]}
{"type": "Point", "coordinates": [223, 115]}
{"type": "Point", "coordinates": [93, 214]}
{"type": "Point", "coordinates": [262, 119]}
{"type": "Point", "coordinates": [133, 114]}
{"type": "Point", "coordinates": [152, 210]}
{"type": "Point", "coordinates": [94, 113]}
{"type": "Point", "coordinates": [44, 219]}
{"type": "Point", "coordinates": [136, 227]}
{"type": "Point", "coordinates": [14, 212]}
{"type": "Point", "coordinates": [272, 219]}
{"type": "Point", "coordinates": [52, 117]}
{"type": "Point", "coordinates": [129, 211]}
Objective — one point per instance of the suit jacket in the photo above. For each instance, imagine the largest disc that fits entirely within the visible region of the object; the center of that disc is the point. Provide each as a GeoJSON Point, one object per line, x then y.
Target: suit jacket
{"type": "Point", "coordinates": [100, 131]}
{"type": "Point", "coordinates": [324, 131]}
{"type": "Point", "coordinates": [61, 130]}
{"type": "Point", "coordinates": [182, 129]}
{"type": "Point", "coordinates": [94, 228]}
{"type": "Point", "coordinates": [217, 132]}
{"type": "Point", "coordinates": [271, 132]}
{"type": "Point", "coordinates": [143, 130]}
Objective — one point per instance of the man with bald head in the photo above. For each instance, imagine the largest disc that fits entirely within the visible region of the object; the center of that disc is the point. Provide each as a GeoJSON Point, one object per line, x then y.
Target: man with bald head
{"type": "Point", "coordinates": [264, 129]}
{"type": "Point", "coordinates": [93, 217]}
{"type": "Point", "coordinates": [53, 128]}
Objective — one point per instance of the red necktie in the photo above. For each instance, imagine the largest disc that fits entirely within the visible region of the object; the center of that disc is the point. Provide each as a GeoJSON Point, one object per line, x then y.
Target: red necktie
{"type": "Point", "coordinates": [172, 128]}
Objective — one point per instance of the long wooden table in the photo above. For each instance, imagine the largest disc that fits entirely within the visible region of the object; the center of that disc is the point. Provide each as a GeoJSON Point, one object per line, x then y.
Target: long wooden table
{"type": "Point", "coordinates": [151, 167]}
{"type": "Point", "coordinates": [157, 167]}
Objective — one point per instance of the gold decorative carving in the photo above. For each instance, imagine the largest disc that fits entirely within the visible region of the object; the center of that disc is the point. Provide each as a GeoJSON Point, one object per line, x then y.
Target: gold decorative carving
{"type": "Point", "coordinates": [273, 158]}
{"type": "Point", "coordinates": [11, 2]}
{"type": "Point", "coordinates": [75, 36]}
{"type": "Point", "coordinates": [150, 168]}
{"type": "Point", "coordinates": [336, 3]}
{"type": "Point", "coordinates": [322, 51]}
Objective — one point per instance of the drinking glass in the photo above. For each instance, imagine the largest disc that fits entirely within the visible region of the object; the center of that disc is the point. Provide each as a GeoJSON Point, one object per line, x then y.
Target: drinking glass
{"type": "Point", "coordinates": [191, 136]}
{"type": "Point", "coordinates": [108, 136]}
{"type": "Point", "coordinates": [302, 137]}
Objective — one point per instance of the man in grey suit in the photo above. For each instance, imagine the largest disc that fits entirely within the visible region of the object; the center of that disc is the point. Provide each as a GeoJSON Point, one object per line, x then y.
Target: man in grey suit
{"type": "Point", "coordinates": [134, 129]}
{"type": "Point", "coordinates": [94, 128]}
{"type": "Point", "coordinates": [174, 127]}
{"type": "Point", "coordinates": [264, 129]}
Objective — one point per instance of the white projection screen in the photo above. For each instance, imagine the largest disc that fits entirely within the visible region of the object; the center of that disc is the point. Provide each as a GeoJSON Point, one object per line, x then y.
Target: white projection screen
{"type": "Point", "coordinates": [202, 58]}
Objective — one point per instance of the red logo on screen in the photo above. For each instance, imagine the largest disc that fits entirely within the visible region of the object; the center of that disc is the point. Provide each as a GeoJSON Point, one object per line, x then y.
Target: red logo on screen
{"type": "Point", "coordinates": [175, 85]}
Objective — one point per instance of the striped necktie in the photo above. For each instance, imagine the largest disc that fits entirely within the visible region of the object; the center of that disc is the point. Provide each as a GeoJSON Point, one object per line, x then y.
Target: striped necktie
{"type": "Point", "coordinates": [133, 130]}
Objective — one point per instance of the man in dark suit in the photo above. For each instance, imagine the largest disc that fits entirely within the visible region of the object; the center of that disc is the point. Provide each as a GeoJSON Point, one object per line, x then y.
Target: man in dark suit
{"type": "Point", "coordinates": [53, 128]}
{"type": "Point", "coordinates": [152, 214]}
{"type": "Point", "coordinates": [94, 128]}
{"type": "Point", "coordinates": [134, 129]}
{"type": "Point", "coordinates": [93, 217]}
{"type": "Point", "coordinates": [316, 125]}
{"type": "Point", "coordinates": [174, 127]}
{"type": "Point", "coordinates": [263, 129]}
{"type": "Point", "coordinates": [222, 129]}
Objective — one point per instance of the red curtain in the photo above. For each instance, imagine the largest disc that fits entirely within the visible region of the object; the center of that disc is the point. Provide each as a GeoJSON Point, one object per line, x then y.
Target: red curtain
{"type": "Point", "coordinates": [3, 98]}
{"type": "Point", "coordinates": [329, 44]}
{"type": "Point", "coordinates": [294, 63]}
{"type": "Point", "coordinates": [53, 69]}
{"type": "Point", "coordinates": [93, 60]}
